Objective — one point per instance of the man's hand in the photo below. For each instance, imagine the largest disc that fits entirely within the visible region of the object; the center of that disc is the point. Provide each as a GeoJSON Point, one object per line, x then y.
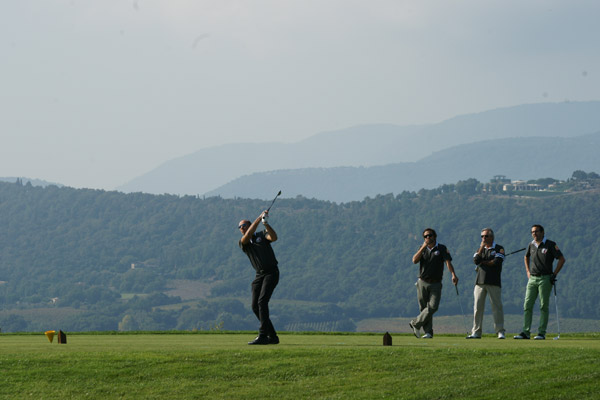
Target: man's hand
{"type": "Point", "coordinates": [552, 279]}
{"type": "Point", "coordinates": [419, 252]}
{"type": "Point", "coordinates": [265, 218]}
{"type": "Point", "coordinates": [481, 247]}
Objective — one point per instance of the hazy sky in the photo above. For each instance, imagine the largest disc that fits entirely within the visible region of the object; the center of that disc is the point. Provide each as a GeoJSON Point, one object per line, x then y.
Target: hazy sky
{"type": "Point", "coordinates": [96, 92]}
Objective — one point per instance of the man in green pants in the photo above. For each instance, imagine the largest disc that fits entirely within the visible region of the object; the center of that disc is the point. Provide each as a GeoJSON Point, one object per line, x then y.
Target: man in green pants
{"type": "Point", "coordinates": [539, 259]}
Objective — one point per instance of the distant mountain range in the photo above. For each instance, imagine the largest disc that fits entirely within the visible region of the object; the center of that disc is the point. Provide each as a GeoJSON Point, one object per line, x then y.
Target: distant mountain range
{"type": "Point", "coordinates": [516, 158]}
{"type": "Point", "coordinates": [370, 149]}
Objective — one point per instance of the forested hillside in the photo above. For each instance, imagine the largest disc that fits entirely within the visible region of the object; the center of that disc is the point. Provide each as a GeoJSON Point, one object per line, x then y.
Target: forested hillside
{"type": "Point", "coordinates": [97, 260]}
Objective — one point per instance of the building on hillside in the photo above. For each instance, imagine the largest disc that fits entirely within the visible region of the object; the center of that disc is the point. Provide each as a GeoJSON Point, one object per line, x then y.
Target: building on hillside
{"type": "Point", "coordinates": [522, 186]}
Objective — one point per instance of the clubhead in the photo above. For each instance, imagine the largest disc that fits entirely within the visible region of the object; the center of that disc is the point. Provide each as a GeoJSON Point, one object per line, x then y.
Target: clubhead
{"type": "Point", "coordinates": [556, 338]}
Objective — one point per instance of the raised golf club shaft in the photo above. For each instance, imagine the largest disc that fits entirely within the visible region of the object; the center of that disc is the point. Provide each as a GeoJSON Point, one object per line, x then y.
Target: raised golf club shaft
{"type": "Point", "coordinates": [274, 200]}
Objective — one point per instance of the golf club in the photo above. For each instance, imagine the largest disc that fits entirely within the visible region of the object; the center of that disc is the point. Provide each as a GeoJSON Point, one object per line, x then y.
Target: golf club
{"type": "Point", "coordinates": [516, 251]}
{"type": "Point", "coordinates": [274, 200]}
{"type": "Point", "coordinates": [556, 304]}
{"type": "Point", "coordinates": [462, 310]}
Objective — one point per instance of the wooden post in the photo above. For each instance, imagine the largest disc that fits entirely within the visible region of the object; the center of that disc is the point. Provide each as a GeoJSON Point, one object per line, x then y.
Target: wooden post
{"type": "Point", "coordinates": [62, 338]}
{"type": "Point", "coordinates": [387, 339]}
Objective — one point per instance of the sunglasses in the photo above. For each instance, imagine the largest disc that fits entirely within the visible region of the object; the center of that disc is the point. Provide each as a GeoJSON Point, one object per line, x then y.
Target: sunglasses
{"type": "Point", "coordinates": [242, 226]}
{"type": "Point", "coordinates": [486, 236]}
{"type": "Point", "coordinates": [428, 235]}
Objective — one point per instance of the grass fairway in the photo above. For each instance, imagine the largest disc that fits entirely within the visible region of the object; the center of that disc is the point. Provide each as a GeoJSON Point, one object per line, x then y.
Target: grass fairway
{"type": "Point", "coordinates": [353, 366]}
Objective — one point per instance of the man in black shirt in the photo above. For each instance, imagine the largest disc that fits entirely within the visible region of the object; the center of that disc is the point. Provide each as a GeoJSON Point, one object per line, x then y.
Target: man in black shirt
{"type": "Point", "coordinates": [488, 258]}
{"type": "Point", "coordinates": [431, 257]}
{"type": "Point", "coordinates": [257, 246]}
{"type": "Point", "coordinates": [539, 260]}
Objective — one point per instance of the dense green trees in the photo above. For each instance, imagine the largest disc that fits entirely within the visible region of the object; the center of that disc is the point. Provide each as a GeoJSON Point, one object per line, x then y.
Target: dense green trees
{"type": "Point", "coordinates": [83, 250]}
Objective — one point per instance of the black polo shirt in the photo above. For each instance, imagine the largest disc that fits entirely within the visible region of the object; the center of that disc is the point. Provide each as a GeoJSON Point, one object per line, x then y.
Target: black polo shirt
{"type": "Point", "coordinates": [542, 257]}
{"type": "Point", "coordinates": [431, 265]}
{"type": "Point", "coordinates": [260, 253]}
{"type": "Point", "coordinates": [489, 274]}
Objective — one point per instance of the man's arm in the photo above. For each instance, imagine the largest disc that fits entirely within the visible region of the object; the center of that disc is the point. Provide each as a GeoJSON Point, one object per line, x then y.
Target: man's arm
{"type": "Point", "coordinates": [248, 235]}
{"type": "Point", "coordinates": [451, 269]}
{"type": "Point", "coordinates": [526, 259]}
{"type": "Point", "coordinates": [479, 254]}
{"type": "Point", "coordinates": [559, 265]}
{"type": "Point", "coordinates": [497, 261]}
{"type": "Point", "coordinates": [271, 234]}
{"type": "Point", "coordinates": [417, 257]}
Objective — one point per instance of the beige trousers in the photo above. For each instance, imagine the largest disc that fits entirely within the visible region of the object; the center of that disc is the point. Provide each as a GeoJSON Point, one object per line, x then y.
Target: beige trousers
{"type": "Point", "coordinates": [495, 293]}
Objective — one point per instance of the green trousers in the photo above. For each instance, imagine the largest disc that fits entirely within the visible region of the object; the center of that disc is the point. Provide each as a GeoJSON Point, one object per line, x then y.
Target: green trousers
{"type": "Point", "coordinates": [537, 285]}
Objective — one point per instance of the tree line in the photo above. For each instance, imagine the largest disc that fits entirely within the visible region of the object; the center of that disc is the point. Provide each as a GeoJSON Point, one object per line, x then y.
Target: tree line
{"type": "Point", "coordinates": [73, 249]}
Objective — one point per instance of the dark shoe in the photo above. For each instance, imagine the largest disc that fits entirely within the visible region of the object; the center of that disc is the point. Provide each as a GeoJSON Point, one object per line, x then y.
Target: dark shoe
{"type": "Point", "coordinates": [522, 335]}
{"type": "Point", "coordinates": [273, 339]}
{"type": "Point", "coordinates": [415, 330]}
{"type": "Point", "coordinates": [260, 340]}
{"type": "Point", "coordinates": [540, 336]}
{"type": "Point", "coordinates": [473, 337]}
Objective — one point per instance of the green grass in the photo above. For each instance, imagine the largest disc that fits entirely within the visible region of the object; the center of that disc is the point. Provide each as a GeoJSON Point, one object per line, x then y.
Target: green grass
{"type": "Point", "coordinates": [462, 324]}
{"type": "Point", "coordinates": [344, 366]}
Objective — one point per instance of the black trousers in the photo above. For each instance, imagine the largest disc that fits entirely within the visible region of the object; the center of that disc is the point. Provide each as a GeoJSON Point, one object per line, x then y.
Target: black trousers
{"type": "Point", "coordinates": [262, 289]}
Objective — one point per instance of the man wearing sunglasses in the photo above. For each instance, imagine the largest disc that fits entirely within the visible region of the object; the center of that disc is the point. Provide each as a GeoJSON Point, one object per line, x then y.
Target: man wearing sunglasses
{"type": "Point", "coordinates": [539, 259]}
{"type": "Point", "coordinates": [488, 258]}
{"type": "Point", "coordinates": [431, 257]}
{"type": "Point", "coordinates": [257, 246]}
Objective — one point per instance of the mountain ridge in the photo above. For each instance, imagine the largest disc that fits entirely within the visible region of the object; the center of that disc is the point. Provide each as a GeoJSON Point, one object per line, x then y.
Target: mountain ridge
{"type": "Point", "coordinates": [517, 158]}
{"type": "Point", "coordinates": [363, 145]}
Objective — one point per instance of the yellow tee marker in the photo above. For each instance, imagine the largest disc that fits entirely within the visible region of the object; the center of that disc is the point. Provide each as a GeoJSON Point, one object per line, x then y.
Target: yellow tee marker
{"type": "Point", "coordinates": [50, 335]}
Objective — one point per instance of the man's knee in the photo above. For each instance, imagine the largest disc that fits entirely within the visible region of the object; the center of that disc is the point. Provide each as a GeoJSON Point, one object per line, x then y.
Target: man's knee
{"type": "Point", "coordinates": [262, 303]}
{"type": "Point", "coordinates": [529, 302]}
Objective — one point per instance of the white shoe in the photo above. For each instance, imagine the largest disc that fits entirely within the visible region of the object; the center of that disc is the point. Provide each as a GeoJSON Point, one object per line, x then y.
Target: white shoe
{"type": "Point", "coordinates": [427, 336]}
{"type": "Point", "coordinates": [501, 335]}
{"type": "Point", "coordinates": [416, 331]}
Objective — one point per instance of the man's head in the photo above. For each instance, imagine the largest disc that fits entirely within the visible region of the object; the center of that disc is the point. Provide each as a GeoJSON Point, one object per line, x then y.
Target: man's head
{"type": "Point", "coordinates": [429, 235]}
{"type": "Point", "coordinates": [243, 226]}
{"type": "Point", "coordinates": [487, 235]}
{"type": "Point", "coordinates": [537, 232]}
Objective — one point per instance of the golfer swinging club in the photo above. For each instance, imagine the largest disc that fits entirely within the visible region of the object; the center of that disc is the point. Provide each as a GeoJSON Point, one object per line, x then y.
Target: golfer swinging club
{"type": "Point", "coordinates": [257, 246]}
